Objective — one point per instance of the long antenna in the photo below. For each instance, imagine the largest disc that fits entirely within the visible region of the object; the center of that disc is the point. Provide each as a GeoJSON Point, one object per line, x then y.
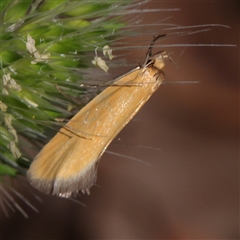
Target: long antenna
{"type": "Point", "coordinates": [149, 51]}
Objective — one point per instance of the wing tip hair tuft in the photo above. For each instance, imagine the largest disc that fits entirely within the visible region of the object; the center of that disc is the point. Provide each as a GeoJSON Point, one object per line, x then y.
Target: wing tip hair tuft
{"type": "Point", "coordinates": [66, 188]}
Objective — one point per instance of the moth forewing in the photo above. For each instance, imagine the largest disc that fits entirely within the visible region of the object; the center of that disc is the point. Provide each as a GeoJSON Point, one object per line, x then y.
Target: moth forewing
{"type": "Point", "coordinates": [68, 163]}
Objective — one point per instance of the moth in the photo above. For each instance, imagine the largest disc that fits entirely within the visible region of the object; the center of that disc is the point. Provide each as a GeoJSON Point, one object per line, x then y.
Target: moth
{"type": "Point", "coordinates": [68, 162]}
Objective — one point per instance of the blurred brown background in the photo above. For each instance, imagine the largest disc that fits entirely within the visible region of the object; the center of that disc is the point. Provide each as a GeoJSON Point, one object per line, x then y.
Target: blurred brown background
{"type": "Point", "coordinates": [191, 191]}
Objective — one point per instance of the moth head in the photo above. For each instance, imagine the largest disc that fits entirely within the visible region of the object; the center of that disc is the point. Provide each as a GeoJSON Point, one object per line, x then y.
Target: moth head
{"type": "Point", "coordinates": [158, 60]}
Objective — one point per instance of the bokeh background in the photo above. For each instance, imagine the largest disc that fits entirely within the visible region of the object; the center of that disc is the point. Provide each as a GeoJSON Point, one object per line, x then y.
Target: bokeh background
{"type": "Point", "coordinates": [191, 189]}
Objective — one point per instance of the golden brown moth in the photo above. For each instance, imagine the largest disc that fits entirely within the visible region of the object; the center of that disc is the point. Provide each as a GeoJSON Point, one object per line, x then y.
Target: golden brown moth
{"type": "Point", "coordinates": [68, 163]}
